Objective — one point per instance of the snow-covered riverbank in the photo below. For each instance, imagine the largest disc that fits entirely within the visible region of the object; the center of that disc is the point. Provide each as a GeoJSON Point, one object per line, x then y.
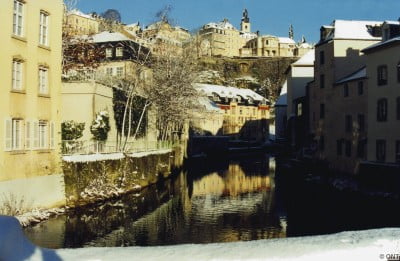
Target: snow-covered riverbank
{"type": "Point", "coordinates": [375, 244]}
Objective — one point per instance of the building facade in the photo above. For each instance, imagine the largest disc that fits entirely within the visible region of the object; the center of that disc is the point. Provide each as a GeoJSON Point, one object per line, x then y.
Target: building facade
{"type": "Point", "coordinates": [383, 74]}
{"type": "Point", "coordinates": [30, 102]}
{"type": "Point", "coordinates": [299, 74]}
{"type": "Point", "coordinates": [338, 55]}
{"type": "Point", "coordinates": [246, 113]}
{"type": "Point", "coordinates": [81, 24]}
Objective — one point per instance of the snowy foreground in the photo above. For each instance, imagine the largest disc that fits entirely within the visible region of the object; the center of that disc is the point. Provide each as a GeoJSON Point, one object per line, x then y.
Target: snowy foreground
{"type": "Point", "coordinates": [376, 244]}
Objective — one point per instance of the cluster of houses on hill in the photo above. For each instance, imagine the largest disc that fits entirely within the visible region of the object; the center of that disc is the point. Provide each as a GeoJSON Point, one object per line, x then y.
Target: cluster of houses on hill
{"type": "Point", "coordinates": [343, 99]}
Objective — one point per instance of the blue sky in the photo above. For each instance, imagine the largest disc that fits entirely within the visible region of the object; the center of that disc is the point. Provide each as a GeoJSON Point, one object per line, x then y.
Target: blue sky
{"type": "Point", "coordinates": [268, 16]}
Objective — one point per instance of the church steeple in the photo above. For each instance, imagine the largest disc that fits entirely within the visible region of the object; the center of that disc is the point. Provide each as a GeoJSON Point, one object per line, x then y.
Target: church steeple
{"type": "Point", "coordinates": [291, 33]}
{"type": "Point", "coordinates": [245, 25]}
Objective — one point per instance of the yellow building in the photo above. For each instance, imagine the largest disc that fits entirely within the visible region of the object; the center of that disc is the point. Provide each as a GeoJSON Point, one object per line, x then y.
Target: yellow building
{"type": "Point", "coordinates": [80, 23]}
{"type": "Point", "coordinates": [333, 119]}
{"type": "Point", "coordinates": [245, 112]}
{"type": "Point", "coordinates": [270, 46]}
{"type": "Point", "coordinates": [383, 74]}
{"type": "Point", "coordinates": [222, 39]}
{"type": "Point", "coordinates": [163, 38]}
{"type": "Point", "coordinates": [30, 63]}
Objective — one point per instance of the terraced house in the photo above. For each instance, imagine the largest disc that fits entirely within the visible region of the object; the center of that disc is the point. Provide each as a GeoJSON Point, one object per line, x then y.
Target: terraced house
{"type": "Point", "coordinates": [30, 77]}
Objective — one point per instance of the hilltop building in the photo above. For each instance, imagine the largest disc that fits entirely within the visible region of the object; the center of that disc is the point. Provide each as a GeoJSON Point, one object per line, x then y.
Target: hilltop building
{"type": "Point", "coordinates": [80, 23]}
{"type": "Point", "coordinates": [223, 39]}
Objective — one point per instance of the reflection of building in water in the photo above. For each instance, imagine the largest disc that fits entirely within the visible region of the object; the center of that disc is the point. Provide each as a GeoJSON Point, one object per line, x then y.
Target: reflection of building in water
{"type": "Point", "coordinates": [234, 183]}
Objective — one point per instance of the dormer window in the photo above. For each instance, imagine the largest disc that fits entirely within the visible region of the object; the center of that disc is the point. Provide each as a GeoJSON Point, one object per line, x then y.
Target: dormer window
{"type": "Point", "coordinates": [119, 51]}
{"type": "Point", "coordinates": [108, 52]}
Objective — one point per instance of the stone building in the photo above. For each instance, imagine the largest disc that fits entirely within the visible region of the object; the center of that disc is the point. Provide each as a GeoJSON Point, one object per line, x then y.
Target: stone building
{"type": "Point", "coordinates": [246, 113]}
{"type": "Point", "coordinates": [30, 100]}
{"type": "Point", "coordinates": [337, 96]}
{"type": "Point", "coordinates": [383, 79]}
{"type": "Point", "coordinates": [223, 39]}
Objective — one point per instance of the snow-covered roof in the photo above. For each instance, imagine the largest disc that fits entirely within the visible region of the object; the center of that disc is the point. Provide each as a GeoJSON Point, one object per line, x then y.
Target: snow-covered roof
{"type": "Point", "coordinates": [381, 44]}
{"type": "Point", "coordinates": [352, 29]}
{"type": "Point", "coordinates": [359, 74]}
{"type": "Point", "coordinates": [104, 37]}
{"type": "Point", "coordinates": [391, 22]}
{"type": "Point", "coordinates": [79, 13]}
{"type": "Point", "coordinates": [286, 40]}
{"type": "Point", "coordinates": [306, 46]}
{"type": "Point", "coordinates": [282, 99]}
{"type": "Point", "coordinates": [247, 35]}
{"type": "Point", "coordinates": [225, 24]}
{"type": "Point", "coordinates": [306, 59]}
{"type": "Point", "coordinates": [228, 92]}
{"type": "Point", "coordinates": [209, 105]}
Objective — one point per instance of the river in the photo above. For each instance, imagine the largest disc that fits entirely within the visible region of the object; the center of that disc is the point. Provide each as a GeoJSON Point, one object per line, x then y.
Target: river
{"type": "Point", "coordinates": [222, 200]}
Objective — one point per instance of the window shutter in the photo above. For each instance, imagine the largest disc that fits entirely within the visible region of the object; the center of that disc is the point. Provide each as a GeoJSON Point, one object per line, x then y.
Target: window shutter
{"type": "Point", "coordinates": [35, 134]}
{"type": "Point", "coordinates": [8, 135]}
{"type": "Point", "coordinates": [21, 135]}
{"type": "Point", "coordinates": [52, 135]}
{"type": "Point", "coordinates": [28, 133]}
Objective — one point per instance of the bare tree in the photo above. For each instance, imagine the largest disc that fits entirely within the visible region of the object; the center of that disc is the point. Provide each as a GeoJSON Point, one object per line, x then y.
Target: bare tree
{"type": "Point", "coordinates": [270, 74]}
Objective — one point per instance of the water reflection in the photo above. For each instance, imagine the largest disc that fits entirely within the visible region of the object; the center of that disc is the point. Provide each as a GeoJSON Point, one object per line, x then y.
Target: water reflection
{"type": "Point", "coordinates": [219, 201]}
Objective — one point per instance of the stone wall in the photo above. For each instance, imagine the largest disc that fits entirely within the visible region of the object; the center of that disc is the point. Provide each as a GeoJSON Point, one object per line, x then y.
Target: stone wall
{"type": "Point", "coordinates": [88, 182]}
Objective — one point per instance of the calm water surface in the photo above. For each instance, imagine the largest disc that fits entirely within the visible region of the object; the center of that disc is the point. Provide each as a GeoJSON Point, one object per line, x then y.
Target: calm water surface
{"type": "Point", "coordinates": [224, 201]}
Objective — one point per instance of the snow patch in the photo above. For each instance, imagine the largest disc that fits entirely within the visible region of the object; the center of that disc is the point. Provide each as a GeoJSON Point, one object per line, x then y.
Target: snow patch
{"type": "Point", "coordinates": [147, 153]}
{"type": "Point", "coordinates": [93, 157]}
{"type": "Point", "coordinates": [376, 244]}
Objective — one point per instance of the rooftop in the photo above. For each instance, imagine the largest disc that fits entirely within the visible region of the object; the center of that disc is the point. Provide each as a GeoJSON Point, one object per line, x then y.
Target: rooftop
{"type": "Point", "coordinates": [351, 29]}
{"type": "Point", "coordinates": [306, 59]}
{"type": "Point", "coordinates": [359, 74]}
{"type": "Point", "coordinates": [381, 44]}
{"type": "Point", "coordinates": [228, 92]}
{"type": "Point", "coordinates": [106, 36]}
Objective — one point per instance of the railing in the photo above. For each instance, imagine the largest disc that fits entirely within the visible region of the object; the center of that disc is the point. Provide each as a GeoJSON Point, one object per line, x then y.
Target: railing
{"type": "Point", "coordinates": [93, 147]}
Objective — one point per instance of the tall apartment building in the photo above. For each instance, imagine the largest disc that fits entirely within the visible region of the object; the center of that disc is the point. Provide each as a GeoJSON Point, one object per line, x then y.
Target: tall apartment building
{"type": "Point", "coordinates": [383, 74]}
{"type": "Point", "coordinates": [30, 76]}
{"type": "Point", "coordinates": [337, 99]}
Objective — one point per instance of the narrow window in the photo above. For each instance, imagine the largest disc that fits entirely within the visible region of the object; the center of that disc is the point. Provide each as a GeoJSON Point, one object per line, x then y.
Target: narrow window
{"type": "Point", "coordinates": [299, 109]}
{"type": "Point", "coordinates": [398, 151]}
{"type": "Point", "coordinates": [361, 123]}
{"type": "Point", "coordinates": [322, 111]}
{"type": "Point", "coordinates": [18, 18]}
{"type": "Point", "coordinates": [108, 52]}
{"type": "Point", "coordinates": [348, 123]}
{"type": "Point", "coordinates": [119, 51]}
{"type": "Point", "coordinates": [120, 71]}
{"type": "Point", "coordinates": [321, 57]}
{"type": "Point", "coordinates": [44, 28]}
{"type": "Point", "coordinates": [43, 135]}
{"type": "Point", "coordinates": [381, 150]}
{"type": "Point", "coordinates": [109, 71]}
{"type": "Point", "coordinates": [398, 108]}
{"type": "Point", "coordinates": [17, 75]}
{"type": "Point", "coordinates": [360, 88]}
{"type": "Point", "coordinates": [322, 81]}
{"type": "Point", "coordinates": [382, 75]}
{"type": "Point", "coordinates": [43, 81]}
{"type": "Point", "coordinates": [382, 109]}
{"type": "Point", "coordinates": [13, 137]}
